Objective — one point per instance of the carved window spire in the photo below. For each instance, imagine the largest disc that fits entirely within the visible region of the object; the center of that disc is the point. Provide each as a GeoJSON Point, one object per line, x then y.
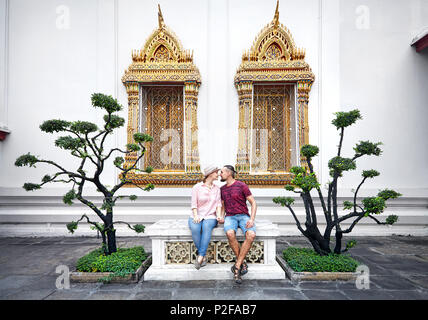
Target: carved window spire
{"type": "Point", "coordinates": [160, 18]}
{"type": "Point", "coordinates": [276, 17]}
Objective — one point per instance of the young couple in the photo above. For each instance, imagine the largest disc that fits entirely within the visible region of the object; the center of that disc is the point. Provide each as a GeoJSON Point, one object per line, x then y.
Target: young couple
{"type": "Point", "coordinates": [209, 205]}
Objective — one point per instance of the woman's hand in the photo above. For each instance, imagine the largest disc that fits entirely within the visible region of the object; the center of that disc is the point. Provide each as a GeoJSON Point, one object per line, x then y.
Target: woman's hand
{"type": "Point", "coordinates": [220, 219]}
{"type": "Point", "coordinates": [196, 219]}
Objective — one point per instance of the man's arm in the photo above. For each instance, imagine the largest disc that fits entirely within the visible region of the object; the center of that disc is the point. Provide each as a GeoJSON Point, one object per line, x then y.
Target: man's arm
{"type": "Point", "coordinates": [253, 203]}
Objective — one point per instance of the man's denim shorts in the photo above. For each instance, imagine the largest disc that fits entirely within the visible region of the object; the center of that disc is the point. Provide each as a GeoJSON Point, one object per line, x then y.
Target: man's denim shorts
{"type": "Point", "coordinates": [238, 220]}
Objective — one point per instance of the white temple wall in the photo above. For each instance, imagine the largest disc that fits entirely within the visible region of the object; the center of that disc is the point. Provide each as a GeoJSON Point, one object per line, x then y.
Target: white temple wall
{"type": "Point", "coordinates": [57, 53]}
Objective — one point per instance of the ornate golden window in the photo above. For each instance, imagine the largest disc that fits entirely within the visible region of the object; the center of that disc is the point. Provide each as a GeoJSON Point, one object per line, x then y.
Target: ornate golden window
{"type": "Point", "coordinates": [270, 141]}
{"type": "Point", "coordinates": [162, 85]}
{"type": "Point", "coordinates": [162, 118]}
{"type": "Point", "coordinates": [273, 84]}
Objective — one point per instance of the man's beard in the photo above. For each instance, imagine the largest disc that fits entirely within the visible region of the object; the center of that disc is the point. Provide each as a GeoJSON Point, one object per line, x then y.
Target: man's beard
{"type": "Point", "coordinates": [222, 180]}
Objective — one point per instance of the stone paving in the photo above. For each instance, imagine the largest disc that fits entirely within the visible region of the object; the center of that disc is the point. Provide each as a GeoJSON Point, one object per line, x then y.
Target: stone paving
{"type": "Point", "coordinates": [398, 270]}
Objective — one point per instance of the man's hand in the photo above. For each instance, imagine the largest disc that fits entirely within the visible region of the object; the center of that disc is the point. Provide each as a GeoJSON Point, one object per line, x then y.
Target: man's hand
{"type": "Point", "coordinates": [250, 224]}
{"type": "Point", "coordinates": [220, 219]}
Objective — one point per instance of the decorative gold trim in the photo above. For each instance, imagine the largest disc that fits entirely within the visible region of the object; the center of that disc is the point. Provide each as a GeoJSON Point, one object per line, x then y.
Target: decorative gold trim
{"type": "Point", "coordinates": [287, 65]}
{"type": "Point", "coordinates": [163, 60]}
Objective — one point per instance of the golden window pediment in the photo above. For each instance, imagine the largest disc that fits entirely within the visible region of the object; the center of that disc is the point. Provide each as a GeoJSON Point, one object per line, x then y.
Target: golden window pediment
{"type": "Point", "coordinates": [273, 83]}
{"type": "Point", "coordinates": [162, 84]}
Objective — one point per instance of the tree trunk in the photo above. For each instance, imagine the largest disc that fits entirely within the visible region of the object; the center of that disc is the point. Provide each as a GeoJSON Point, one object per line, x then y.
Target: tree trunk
{"type": "Point", "coordinates": [111, 241]}
{"type": "Point", "coordinates": [338, 247]}
{"type": "Point", "coordinates": [320, 245]}
{"type": "Point", "coordinates": [111, 233]}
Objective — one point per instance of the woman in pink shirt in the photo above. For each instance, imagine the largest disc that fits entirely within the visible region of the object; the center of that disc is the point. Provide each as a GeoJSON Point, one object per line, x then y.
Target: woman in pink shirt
{"type": "Point", "coordinates": [206, 212]}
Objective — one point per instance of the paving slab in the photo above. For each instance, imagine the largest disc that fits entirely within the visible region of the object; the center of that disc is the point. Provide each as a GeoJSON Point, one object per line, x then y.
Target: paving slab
{"type": "Point", "coordinates": [239, 293]}
{"type": "Point", "coordinates": [195, 294]}
{"type": "Point", "coordinates": [69, 294]}
{"type": "Point", "coordinates": [110, 295]}
{"type": "Point", "coordinates": [154, 295]}
{"type": "Point", "coordinates": [421, 281]}
{"type": "Point", "coordinates": [196, 284]}
{"type": "Point", "coordinates": [392, 282]}
{"type": "Point", "coordinates": [398, 270]}
{"type": "Point", "coordinates": [275, 284]}
{"type": "Point", "coordinates": [38, 294]}
{"type": "Point", "coordinates": [282, 294]}
{"type": "Point", "coordinates": [143, 285]}
{"type": "Point", "coordinates": [368, 294]}
{"type": "Point", "coordinates": [320, 285]}
{"type": "Point", "coordinates": [118, 286]}
{"type": "Point", "coordinates": [225, 284]}
{"type": "Point", "coordinates": [315, 294]}
{"type": "Point", "coordinates": [408, 295]}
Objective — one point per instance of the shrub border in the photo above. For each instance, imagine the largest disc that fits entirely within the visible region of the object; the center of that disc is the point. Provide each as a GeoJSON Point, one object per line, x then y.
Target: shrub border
{"type": "Point", "coordinates": [86, 277]}
{"type": "Point", "coordinates": [317, 276]}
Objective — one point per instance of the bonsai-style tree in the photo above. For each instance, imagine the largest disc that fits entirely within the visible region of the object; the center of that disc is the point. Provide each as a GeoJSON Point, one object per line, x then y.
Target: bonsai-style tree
{"type": "Point", "coordinates": [87, 144]}
{"type": "Point", "coordinates": [304, 180]}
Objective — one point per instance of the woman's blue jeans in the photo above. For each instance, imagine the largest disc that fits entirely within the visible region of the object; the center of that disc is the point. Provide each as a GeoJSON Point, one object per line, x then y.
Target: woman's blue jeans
{"type": "Point", "coordinates": [201, 233]}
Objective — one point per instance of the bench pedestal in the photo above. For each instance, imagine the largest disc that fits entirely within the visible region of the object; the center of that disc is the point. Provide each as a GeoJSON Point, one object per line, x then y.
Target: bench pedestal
{"type": "Point", "coordinates": [173, 253]}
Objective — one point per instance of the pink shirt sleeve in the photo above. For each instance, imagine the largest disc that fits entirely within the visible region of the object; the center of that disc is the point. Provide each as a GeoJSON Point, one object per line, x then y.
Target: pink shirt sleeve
{"type": "Point", "coordinates": [195, 197]}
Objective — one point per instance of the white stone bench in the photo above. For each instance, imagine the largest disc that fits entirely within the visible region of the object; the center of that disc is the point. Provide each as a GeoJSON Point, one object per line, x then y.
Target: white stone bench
{"type": "Point", "coordinates": [173, 253]}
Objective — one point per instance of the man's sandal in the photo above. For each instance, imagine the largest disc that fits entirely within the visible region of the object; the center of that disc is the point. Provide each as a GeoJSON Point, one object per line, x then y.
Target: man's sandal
{"type": "Point", "coordinates": [244, 268]}
{"type": "Point", "coordinates": [236, 274]}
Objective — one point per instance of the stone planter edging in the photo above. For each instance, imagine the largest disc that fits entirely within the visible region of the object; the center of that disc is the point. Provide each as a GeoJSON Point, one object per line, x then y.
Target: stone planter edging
{"type": "Point", "coordinates": [314, 276]}
{"type": "Point", "coordinates": [87, 277]}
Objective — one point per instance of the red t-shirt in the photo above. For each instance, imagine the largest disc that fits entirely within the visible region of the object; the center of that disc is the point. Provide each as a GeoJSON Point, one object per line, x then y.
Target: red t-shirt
{"type": "Point", "coordinates": [235, 198]}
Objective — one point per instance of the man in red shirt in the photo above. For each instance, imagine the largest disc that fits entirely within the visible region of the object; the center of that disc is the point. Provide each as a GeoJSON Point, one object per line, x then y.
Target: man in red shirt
{"type": "Point", "coordinates": [234, 196]}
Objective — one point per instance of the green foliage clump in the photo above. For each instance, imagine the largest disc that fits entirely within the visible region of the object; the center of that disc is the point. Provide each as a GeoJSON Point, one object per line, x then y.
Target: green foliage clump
{"type": "Point", "coordinates": [347, 205]}
{"type": "Point", "coordinates": [113, 121]}
{"type": "Point", "coordinates": [139, 228]}
{"type": "Point", "coordinates": [72, 226]}
{"type": "Point", "coordinates": [133, 147]}
{"type": "Point", "coordinates": [26, 160]}
{"type": "Point", "coordinates": [350, 244]}
{"type": "Point", "coordinates": [374, 205]}
{"type": "Point", "coordinates": [69, 143]}
{"type": "Point", "coordinates": [83, 127]}
{"type": "Point", "coordinates": [283, 201]}
{"type": "Point", "coordinates": [121, 263]}
{"type": "Point", "coordinates": [149, 187]}
{"type": "Point", "coordinates": [304, 181]}
{"type": "Point", "coordinates": [289, 187]}
{"type": "Point", "coordinates": [149, 169]}
{"type": "Point", "coordinates": [142, 137]}
{"type": "Point", "coordinates": [69, 197]}
{"type": "Point", "coordinates": [307, 260]}
{"type": "Point", "coordinates": [370, 173]}
{"type": "Point", "coordinates": [309, 151]}
{"type": "Point", "coordinates": [339, 164]}
{"type": "Point", "coordinates": [388, 194]}
{"type": "Point", "coordinates": [56, 125]}
{"type": "Point", "coordinates": [391, 219]}
{"type": "Point", "coordinates": [118, 161]}
{"type": "Point", "coordinates": [106, 102]}
{"type": "Point", "coordinates": [297, 170]}
{"type": "Point", "coordinates": [367, 148]}
{"type": "Point", "coordinates": [345, 119]}
{"type": "Point", "coordinates": [31, 186]}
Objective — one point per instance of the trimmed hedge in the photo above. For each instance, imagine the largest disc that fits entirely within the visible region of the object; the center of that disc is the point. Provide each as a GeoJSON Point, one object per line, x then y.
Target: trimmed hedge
{"type": "Point", "coordinates": [121, 263]}
{"type": "Point", "coordinates": [307, 260]}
